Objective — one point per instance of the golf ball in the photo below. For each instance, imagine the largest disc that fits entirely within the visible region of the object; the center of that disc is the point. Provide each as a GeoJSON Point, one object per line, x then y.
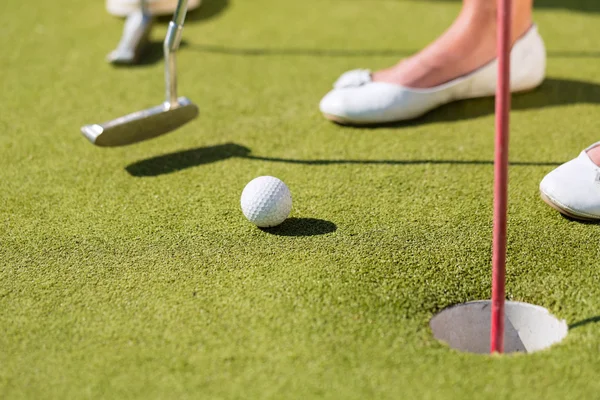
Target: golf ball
{"type": "Point", "coordinates": [266, 201]}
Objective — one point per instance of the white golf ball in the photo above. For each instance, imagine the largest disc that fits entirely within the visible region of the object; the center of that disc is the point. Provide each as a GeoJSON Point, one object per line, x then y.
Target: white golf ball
{"type": "Point", "coordinates": [266, 201]}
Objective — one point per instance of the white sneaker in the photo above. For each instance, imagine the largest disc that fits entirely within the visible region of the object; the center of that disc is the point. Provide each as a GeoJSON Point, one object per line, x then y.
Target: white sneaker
{"type": "Point", "coordinates": [122, 8]}
{"type": "Point", "coordinates": [574, 188]}
{"type": "Point", "coordinates": [356, 99]}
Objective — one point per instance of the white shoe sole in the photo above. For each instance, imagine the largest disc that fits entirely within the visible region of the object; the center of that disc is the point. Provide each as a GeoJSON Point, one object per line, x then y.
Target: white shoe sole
{"type": "Point", "coordinates": [564, 210]}
{"type": "Point", "coordinates": [350, 122]}
{"type": "Point", "coordinates": [122, 8]}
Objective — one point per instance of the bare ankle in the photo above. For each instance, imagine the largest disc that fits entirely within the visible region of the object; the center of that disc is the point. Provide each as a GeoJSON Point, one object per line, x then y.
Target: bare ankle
{"type": "Point", "coordinates": [484, 13]}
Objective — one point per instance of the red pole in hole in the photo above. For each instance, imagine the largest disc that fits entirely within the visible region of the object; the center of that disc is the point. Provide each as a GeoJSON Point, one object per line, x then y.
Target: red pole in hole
{"type": "Point", "coordinates": [501, 175]}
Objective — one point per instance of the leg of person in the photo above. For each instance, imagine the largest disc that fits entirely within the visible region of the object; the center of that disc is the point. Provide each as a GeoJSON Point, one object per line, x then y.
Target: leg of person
{"type": "Point", "coordinates": [459, 64]}
{"type": "Point", "coordinates": [574, 187]}
{"type": "Point", "coordinates": [467, 45]}
{"type": "Point", "coordinates": [135, 37]}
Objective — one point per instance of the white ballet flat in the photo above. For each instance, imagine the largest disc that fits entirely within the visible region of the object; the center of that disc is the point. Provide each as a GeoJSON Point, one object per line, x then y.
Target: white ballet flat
{"type": "Point", "coordinates": [574, 188]}
{"type": "Point", "coordinates": [122, 8]}
{"type": "Point", "coordinates": [356, 99]}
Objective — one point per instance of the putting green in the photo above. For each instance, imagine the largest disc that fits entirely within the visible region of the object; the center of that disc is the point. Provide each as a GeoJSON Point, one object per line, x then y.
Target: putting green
{"type": "Point", "coordinates": [132, 273]}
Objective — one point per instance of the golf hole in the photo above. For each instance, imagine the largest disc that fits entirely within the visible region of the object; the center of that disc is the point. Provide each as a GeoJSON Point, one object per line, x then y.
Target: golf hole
{"type": "Point", "coordinates": [528, 328]}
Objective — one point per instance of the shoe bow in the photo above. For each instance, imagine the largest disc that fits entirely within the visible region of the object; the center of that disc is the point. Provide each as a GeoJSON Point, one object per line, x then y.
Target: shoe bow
{"type": "Point", "coordinates": [354, 78]}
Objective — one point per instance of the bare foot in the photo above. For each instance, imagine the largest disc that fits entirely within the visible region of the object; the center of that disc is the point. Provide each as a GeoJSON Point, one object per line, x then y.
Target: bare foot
{"type": "Point", "coordinates": [468, 44]}
{"type": "Point", "coordinates": [594, 155]}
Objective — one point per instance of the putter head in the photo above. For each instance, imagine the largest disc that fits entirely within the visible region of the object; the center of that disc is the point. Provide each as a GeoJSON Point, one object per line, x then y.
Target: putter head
{"type": "Point", "coordinates": [141, 125]}
{"type": "Point", "coordinates": [134, 39]}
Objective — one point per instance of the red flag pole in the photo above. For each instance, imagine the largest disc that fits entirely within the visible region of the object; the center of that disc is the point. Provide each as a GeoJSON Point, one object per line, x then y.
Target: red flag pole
{"type": "Point", "coordinates": [504, 9]}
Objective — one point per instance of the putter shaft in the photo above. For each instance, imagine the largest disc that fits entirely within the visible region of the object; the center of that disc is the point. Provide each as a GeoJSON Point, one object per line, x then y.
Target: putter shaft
{"type": "Point", "coordinates": [170, 46]}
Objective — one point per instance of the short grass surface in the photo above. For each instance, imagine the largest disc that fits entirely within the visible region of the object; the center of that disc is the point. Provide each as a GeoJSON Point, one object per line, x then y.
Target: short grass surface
{"type": "Point", "coordinates": [132, 273]}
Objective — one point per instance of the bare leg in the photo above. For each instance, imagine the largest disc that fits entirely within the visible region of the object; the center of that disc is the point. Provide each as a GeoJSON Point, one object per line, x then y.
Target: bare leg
{"type": "Point", "coordinates": [467, 45]}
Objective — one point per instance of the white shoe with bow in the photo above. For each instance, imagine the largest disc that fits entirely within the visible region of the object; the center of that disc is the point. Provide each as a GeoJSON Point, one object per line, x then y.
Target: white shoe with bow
{"type": "Point", "coordinates": [356, 99]}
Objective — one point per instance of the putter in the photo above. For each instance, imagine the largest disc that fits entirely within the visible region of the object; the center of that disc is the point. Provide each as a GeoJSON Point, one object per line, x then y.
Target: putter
{"type": "Point", "coordinates": [146, 124]}
{"type": "Point", "coordinates": [135, 37]}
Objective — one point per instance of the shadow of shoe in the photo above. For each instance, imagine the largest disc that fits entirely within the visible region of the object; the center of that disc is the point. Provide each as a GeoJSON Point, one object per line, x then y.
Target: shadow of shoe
{"type": "Point", "coordinates": [552, 93]}
{"type": "Point", "coordinates": [208, 9]}
{"type": "Point", "coordinates": [302, 227]}
{"type": "Point", "coordinates": [580, 221]}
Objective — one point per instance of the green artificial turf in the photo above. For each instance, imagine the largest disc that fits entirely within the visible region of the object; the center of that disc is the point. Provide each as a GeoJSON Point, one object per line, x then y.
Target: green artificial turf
{"type": "Point", "coordinates": [132, 273]}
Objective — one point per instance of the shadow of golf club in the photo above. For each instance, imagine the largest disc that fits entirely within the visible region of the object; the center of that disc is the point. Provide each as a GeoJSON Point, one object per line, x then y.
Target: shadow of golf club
{"type": "Point", "coordinates": [264, 51]}
{"type": "Point", "coordinates": [302, 227]}
{"type": "Point", "coordinates": [173, 162]}
{"type": "Point", "coordinates": [309, 52]}
{"type": "Point", "coordinates": [180, 160]}
{"type": "Point", "coordinates": [584, 322]}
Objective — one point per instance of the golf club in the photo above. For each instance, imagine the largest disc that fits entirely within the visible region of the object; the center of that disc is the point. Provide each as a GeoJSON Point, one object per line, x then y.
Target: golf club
{"type": "Point", "coordinates": [501, 176]}
{"type": "Point", "coordinates": [146, 124]}
{"type": "Point", "coordinates": [135, 37]}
